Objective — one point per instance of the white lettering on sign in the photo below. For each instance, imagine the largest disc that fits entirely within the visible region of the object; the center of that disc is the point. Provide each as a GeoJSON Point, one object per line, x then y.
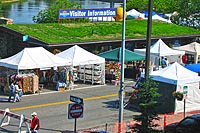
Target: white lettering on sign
{"type": "Point", "coordinates": [100, 13]}
{"type": "Point", "coordinates": [77, 13]}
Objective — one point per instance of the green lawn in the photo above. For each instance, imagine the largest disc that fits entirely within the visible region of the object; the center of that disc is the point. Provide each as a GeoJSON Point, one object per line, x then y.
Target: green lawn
{"type": "Point", "coordinates": [93, 31]}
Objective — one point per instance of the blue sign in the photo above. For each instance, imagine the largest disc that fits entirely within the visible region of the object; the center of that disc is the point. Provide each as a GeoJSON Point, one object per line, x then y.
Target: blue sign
{"type": "Point", "coordinates": [82, 13]}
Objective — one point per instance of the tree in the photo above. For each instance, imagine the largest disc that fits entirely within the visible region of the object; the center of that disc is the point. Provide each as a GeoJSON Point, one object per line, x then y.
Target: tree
{"type": "Point", "coordinates": [148, 95]}
{"type": "Point", "coordinates": [140, 5]}
{"type": "Point", "coordinates": [187, 13]}
{"type": "Point", "coordinates": [161, 6]}
{"type": "Point", "coordinates": [1, 9]}
{"type": "Point", "coordinates": [50, 14]}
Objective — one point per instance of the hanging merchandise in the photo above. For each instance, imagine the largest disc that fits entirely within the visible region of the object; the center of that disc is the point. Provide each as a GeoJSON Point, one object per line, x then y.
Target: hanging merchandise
{"type": "Point", "coordinates": [113, 70]}
{"type": "Point", "coordinates": [94, 73]}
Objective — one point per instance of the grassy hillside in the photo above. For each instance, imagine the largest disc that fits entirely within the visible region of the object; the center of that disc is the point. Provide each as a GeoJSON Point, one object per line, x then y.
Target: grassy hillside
{"type": "Point", "coordinates": [82, 32]}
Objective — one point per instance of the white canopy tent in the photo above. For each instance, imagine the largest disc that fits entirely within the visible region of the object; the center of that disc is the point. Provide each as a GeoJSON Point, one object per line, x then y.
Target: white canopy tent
{"type": "Point", "coordinates": [134, 13]}
{"type": "Point", "coordinates": [160, 49]}
{"type": "Point", "coordinates": [180, 76]}
{"type": "Point", "coordinates": [79, 56]}
{"type": "Point", "coordinates": [191, 48]}
{"type": "Point", "coordinates": [33, 58]}
{"type": "Point", "coordinates": [91, 66]}
{"type": "Point", "coordinates": [157, 17]}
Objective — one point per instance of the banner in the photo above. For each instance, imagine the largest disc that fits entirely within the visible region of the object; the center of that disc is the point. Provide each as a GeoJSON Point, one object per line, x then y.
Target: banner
{"type": "Point", "coordinates": [82, 13]}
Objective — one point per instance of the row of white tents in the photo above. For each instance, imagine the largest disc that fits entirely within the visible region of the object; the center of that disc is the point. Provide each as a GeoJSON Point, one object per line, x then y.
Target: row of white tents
{"type": "Point", "coordinates": [135, 14]}
{"type": "Point", "coordinates": [38, 57]}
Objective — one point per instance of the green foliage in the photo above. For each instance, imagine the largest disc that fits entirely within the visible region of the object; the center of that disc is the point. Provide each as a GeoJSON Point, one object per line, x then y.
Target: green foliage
{"type": "Point", "coordinates": [50, 14]}
{"type": "Point", "coordinates": [140, 5]}
{"type": "Point", "coordinates": [188, 13]}
{"type": "Point", "coordinates": [148, 95]}
{"type": "Point", "coordinates": [161, 6]}
{"type": "Point", "coordinates": [1, 9]}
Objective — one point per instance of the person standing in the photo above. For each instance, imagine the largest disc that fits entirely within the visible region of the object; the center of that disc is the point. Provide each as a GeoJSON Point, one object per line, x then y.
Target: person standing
{"type": "Point", "coordinates": [167, 61]}
{"type": "Point", "coordinates": [163, 62]}
{"type": "Point", "coordinates": [35, 123]}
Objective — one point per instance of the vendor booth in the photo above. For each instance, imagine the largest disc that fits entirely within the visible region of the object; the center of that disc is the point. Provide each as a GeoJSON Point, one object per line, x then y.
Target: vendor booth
{"type": "Point", "coordinates": [90, 67]}
{"type": "Point", "coordinates": [176, 78]}
{"type": "Point", "coordinates": [191, 49]}
{"type": "Point", "coordinates": [113, 58]}
{"type": "Point", "coordinates": [160, 49]}
{"type": "Point", "coordinates": [21, 67]}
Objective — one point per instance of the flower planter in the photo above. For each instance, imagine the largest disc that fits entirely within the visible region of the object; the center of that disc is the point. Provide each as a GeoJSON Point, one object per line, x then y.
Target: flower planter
{"type": "Point", "coordinates": [178, 95]}
{"type": "Point", "coordinates": [179, 98]}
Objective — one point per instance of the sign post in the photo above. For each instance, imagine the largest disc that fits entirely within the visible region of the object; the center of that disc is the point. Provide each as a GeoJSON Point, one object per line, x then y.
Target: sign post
{"type": "Point", "coordinates": [75, 110]}
{"type": "Point", "coordinates": [185, 91]}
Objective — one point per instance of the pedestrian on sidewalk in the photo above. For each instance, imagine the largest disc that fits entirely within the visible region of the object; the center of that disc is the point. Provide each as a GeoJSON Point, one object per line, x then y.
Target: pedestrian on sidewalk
{"type": "Point", "coordinates": [35, 123]}
{"type": "Point", "coordinates": [18, 92]}
{"type": "Point", "coordinates": [11, 91]}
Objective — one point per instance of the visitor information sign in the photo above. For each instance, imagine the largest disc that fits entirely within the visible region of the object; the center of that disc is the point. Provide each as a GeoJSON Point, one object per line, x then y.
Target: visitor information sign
{"type": "Point", "coordinates": [82, 13]}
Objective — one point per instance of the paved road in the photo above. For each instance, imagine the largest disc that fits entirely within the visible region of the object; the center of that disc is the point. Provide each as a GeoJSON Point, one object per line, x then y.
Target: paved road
{"type": "Point", "coordinates": [52, 108]}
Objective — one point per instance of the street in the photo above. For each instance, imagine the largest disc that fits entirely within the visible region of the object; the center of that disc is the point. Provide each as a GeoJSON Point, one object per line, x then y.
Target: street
{"type": "Point", "coordinates": [52, 108]}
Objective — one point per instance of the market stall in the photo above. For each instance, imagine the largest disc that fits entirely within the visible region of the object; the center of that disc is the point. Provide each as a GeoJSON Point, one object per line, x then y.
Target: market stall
{"type": "Point", "coordinates": [113, 58]}
{"type": "Point", "coordinates": [176, 78]}
{"type": "Point", "coordinates": [160, 49]}
{"type": "Point", "coordinates": [28, 59]}
{"type": "Point", "coordinates": [91, 68]}
{"type": "Point", "coordinates": [191, 49]}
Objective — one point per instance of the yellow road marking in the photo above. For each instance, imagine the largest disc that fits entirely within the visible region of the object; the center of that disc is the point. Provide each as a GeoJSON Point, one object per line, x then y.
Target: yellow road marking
{"type": "Point", "coordinates": [62, 102]}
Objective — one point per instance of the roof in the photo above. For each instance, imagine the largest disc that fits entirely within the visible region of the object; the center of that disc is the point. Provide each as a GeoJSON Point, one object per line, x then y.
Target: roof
{"type": "Point", "coordinates": [175, 74]}
{"type": "Point", "coordinates": [79, 56]}
{"type": "Point", "coordinates": [115, 55]}
{"type": "Point", "coordinates": [33, 58]}
{"type": "Point", "coordinates": [160, 49]}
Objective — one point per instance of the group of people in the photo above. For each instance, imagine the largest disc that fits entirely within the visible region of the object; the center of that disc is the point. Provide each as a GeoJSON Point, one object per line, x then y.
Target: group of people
{"type": "Point", "coordinates": [15, 92]}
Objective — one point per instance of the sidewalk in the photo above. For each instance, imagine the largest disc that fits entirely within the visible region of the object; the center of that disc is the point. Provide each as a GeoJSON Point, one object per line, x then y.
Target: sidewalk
{"type": "Point", "coordinates": [52, 89]}
{"type": "Point", "coordinates": [77, 85]}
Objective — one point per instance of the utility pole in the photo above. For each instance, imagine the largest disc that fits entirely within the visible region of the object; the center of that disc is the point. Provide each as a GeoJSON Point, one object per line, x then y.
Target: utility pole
{"type": "Point", "coordinates": [121, 97]}
{"type": "Point", "coordinates": [148, 38]}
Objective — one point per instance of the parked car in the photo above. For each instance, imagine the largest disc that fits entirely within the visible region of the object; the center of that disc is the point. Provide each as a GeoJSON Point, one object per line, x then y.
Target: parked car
{"type": "Point", "coordinates": [190, 124]}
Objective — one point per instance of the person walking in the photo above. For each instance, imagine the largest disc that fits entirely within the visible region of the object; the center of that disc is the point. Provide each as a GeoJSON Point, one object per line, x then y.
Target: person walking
{"type": "Point", "coordinates": [11, 91]}
{"type": "Point", "coordinates": [18, 92]}
{"type": "Point", "coordinates": [35, 123]}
